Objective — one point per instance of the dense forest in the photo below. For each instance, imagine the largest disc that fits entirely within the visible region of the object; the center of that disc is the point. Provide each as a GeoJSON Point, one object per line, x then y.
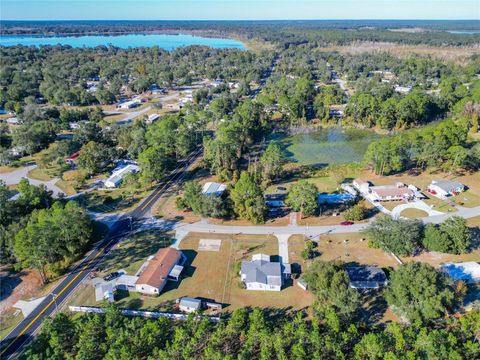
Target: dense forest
{"type": "Point", "coordinates": [253, 335]}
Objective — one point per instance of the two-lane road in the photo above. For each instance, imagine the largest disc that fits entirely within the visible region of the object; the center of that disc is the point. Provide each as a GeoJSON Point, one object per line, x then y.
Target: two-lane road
{"type": "Point", "coordinates": [13, 344]}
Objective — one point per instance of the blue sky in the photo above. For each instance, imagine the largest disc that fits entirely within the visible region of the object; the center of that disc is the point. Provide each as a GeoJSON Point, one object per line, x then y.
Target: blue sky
{"type": "Point", "coordinates": [237, 9]}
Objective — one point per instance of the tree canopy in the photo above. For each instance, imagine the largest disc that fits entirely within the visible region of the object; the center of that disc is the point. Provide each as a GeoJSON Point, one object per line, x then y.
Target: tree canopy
{"type": "Point", "coordinates": [419, 292]}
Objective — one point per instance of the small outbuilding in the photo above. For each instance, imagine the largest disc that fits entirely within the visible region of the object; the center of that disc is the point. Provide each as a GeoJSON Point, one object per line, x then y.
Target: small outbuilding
{"type": "Point", "coordinates": [366, 277]}
{"type": "Point", "coordinates": [188, 304]}
{"type": "Point", "coordinates": [468, 271]}
{"type": "Point", "coordinates": [213, 189]}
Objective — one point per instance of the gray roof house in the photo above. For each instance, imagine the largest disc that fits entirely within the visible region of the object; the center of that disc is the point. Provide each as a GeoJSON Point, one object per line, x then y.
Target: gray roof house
{"type": "Point", "coordinates": [445, 187]}
{"type": "Point", "coordinates": [261, 273]}
{"type": "Point", "coordinates": [366, 277]}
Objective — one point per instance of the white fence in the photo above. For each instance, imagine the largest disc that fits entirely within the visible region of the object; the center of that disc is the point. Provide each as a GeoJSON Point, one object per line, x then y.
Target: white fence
{"type": "Point", "coordinates": [146, 314]}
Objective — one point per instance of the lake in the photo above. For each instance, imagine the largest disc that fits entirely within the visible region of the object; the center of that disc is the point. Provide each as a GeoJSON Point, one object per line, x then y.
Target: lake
{"type": "Point", "coordinates": [164, 41]}
{"type": "Point", "coordinates": [464, 32]}
{"type": "Point", "coordinates": [328, 146]}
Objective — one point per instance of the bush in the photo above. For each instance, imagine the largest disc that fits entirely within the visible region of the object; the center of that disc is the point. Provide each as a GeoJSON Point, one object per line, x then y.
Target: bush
{"type": "Point", "coordinates": [356, 213]}
{"type": "Point", "coordinates": [180, 203]}
{"type": "Point", "coordinates": [309, 251]}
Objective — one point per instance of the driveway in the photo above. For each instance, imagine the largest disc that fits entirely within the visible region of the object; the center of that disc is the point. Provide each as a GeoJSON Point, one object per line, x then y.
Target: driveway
{"type": "Point", "coordinates": [420, 205]}
{"type": "Point", "coordinates": [14, 177]}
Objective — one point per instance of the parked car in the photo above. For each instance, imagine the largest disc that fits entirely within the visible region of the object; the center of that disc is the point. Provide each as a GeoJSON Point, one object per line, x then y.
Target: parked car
{"type": "Point", "coordinates": [111, 276]}
{"type": "Point", "coordinates": [346, 223]}
{"type": "Point", "coordinates": [281, 188]}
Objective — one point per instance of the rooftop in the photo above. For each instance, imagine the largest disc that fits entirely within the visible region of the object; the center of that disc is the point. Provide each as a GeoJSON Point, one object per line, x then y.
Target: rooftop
{"type": "Point", "coordinates": [158, 268]}
{"type": "Point", "coordinates": [467, 271]}
{"type": "Point", "coordinates": [261, 270]}
{"type": "Point", "coordinates": [213, 188]}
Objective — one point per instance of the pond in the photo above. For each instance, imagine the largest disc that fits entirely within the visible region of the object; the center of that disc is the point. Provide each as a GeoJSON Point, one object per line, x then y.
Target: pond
{"type": "Point", "coordinates": [328, 146]}
{"type": "Point", "coordinates": [164, 41]}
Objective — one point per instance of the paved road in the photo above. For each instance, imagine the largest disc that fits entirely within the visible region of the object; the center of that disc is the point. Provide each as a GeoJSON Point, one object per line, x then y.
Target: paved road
{"type": "Point", "coordinates": [14, 177]}
{"type": "Point", "coordinates": [23, 333]}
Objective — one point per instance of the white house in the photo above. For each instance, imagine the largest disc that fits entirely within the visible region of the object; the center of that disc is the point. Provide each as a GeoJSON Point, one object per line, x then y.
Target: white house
{"type": "Point", "coordinates": [444, 188]}
{"type": "Point", "coordinates": [130, 104]}
{"type": "Point", "coordinates": [188, 304]}
{"type": "Point", "coordinates": [118, 174]}
{"type": "Point", "coordinates": [164, 266]}
{"type": "Point", "coordinates": [391, 192]}
{"type": "Point", "coordinates": [261, 273]}
{"type": "Point", "coordinates": [152, 118]}
{"type": "Point", "coordinates": [402, 89]}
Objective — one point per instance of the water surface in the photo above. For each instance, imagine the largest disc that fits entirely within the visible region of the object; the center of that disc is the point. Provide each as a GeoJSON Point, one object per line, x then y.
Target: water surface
{"type": "Point", "coordinates": [326, 146]}
{"type": "Point", "coordinates": [164, 41]}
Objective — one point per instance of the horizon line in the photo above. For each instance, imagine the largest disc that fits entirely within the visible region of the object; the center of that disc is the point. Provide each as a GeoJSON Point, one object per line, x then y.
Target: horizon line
{"type": "Point", "coordinates": [245, 20]}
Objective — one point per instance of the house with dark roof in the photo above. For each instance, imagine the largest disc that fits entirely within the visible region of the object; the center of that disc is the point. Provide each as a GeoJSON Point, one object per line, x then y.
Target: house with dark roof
{"type": "Point", "coordinates": [165, 265]}
{"type": "Point", "coordinates": [366, 277]}
{"type": "Point", "coordinates": [261, 273]}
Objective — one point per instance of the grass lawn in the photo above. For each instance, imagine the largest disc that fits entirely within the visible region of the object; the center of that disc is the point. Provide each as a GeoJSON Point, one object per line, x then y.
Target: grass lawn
{"type": "Point", "coordinates": [131, 253]}
{"type": "Point", "coordinates": [39, 174]}
{"type": "Point", "coordinates": [413, 213]}
{"type": "Point", "coordinates": [209, 275]}
{"type": "Point", "coordinates": [8, 320]}
{"type": "Point", "coordinates": [114, 118]}
{"type": "Point", "coordinates": [66, 187]}
{"type": "Point", "coordinates": [435, 258]}
{"type": "Point", "coordinates": [116, 200]}
{"type": "Point", "coordinates": [474, 222]}
{"type": "Point", "coordinates": [7, 169]}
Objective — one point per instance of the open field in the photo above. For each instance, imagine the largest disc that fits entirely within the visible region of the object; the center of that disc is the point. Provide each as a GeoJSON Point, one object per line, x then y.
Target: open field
{"type": "Point", "coordinates": [458, 54]}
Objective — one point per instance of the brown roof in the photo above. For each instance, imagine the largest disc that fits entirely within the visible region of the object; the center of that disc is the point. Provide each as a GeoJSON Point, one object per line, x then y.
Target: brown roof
{"type": "Point", "coordinates": [157, 270]}
{"type": "Point", "coordinates": [392, 191]}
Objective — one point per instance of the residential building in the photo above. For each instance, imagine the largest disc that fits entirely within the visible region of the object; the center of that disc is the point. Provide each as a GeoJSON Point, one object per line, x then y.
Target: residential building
{"type": "Point", "coordinates": [366, 277]}
{"type": "Point", "coordinates": [165, 265]}
{"type": "Point", "coordinates": [119, 173]}
{"type": "Point", "coordinates": [468, 271]}
{"type": "Point", "coordinates": [261, 273]}
{"type": "Point", "coordinates": [14, 121]}
{"type": "Point", "coordinates": [188, 304]}
{"type": "Point", "coordinates": [391, 192]}
{"type": "Point", "coordinates": [402, 89]}
{"type": "Point", "coordinates": [444, 188]}
{"type": "Point", "coordinates": [341, 198]}
{"type": "Point", "coordinates": [72, 159]}
{"type": "Point", "coordinates": [130, 104]}
{"type": "Point", "coordinates": [152, 118]}
{"type": "Point", "coordinates": [213, 189]}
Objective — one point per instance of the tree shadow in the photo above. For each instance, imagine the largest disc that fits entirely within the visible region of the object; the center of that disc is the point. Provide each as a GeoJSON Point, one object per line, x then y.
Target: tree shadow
{"type": "Point", "coordinates": [9, 281]}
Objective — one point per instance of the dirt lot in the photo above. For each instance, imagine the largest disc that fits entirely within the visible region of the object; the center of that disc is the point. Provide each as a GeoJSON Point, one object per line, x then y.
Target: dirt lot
{"type": "Point", "coordinates": [14, 286]}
